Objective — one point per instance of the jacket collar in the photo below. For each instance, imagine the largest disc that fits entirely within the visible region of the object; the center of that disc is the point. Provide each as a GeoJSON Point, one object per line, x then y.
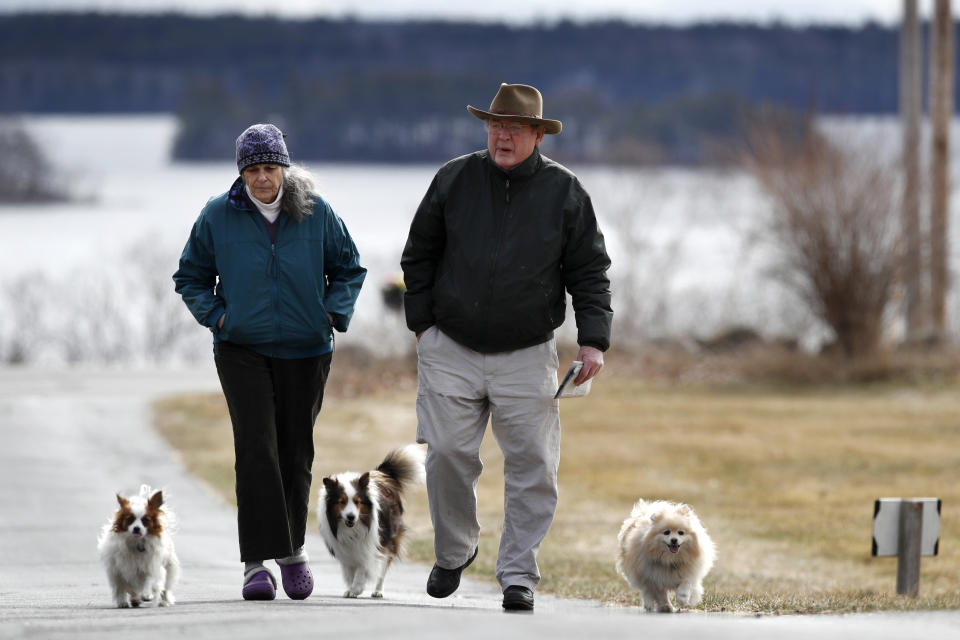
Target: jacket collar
{"type": "Point", "coordinates": [238, 197]}
{"type": "Point", "coordinates": [523, 170]}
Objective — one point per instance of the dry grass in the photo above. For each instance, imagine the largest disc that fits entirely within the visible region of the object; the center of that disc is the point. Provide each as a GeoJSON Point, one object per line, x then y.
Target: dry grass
{"type": "Point", "coordinates": [783, 478]}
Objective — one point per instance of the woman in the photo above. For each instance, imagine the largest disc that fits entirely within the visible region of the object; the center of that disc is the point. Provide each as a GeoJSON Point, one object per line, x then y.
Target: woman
{"type": "Point", "coordinates": [271, 270]}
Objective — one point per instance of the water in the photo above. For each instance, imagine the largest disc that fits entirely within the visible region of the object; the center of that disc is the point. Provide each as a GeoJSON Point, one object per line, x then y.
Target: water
{"type": "Point", "coordinates": [680, 239]}
{"type": "Point", "coordinates": [121, 168]}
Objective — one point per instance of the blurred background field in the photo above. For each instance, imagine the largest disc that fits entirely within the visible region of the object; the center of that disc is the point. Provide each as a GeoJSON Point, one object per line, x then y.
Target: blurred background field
{"type": "Point", "coordinates": [783, 476]}
{"type": "Point", "coordinates": [112, 139]}
{"type": "Point", "coordinates": [89, 279]}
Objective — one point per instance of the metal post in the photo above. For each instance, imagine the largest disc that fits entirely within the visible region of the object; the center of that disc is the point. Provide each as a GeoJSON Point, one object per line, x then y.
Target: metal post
{"type": "Point", "coordinates": [908, 552]}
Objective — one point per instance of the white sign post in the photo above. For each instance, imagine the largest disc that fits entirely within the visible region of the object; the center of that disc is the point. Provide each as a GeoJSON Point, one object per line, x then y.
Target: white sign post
{"type": "Point", "coordinates": [906, 528]}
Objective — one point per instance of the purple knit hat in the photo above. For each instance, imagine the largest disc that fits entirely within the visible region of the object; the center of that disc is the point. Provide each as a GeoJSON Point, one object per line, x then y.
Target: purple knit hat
{"type": "Point", "coordinates": [261, 144]}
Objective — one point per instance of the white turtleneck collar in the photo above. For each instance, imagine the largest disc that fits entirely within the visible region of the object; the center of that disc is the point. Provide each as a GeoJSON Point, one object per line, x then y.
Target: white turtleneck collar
{"type": "Point", "coordinates": [269, 211]}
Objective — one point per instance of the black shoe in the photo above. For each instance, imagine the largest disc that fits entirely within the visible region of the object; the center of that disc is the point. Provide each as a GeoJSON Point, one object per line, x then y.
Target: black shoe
{"type": "Point", "coordinates": [517, 598]}
{"type": "Point", "coordinates": [443, 582]}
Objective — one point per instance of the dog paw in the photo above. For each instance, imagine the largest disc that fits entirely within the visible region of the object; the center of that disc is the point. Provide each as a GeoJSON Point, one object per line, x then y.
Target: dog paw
{"type": "Point", "coordinates": [350, 594]}
{"type": "Point", "coordinates": [696, 595]}
{"type": "Point", "coordinates": [666, 608]}
{"type": "Point", "coordinates": [123, 605]}
{"type": "Point", "coordinates": [684, 598]}
{"type": "Point", "coordinates": [376, 594]}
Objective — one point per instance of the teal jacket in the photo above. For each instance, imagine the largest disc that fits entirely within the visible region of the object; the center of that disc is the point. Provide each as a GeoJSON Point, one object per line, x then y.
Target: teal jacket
{"type": "Point", "coordinates": [276, 296]}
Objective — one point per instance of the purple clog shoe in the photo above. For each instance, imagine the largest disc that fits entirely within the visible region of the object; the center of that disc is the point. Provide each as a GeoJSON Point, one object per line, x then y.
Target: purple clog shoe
{"type": "Point", "coordinates": [261, 586]}
{"type": "Point", "coordinates": [297, 580]}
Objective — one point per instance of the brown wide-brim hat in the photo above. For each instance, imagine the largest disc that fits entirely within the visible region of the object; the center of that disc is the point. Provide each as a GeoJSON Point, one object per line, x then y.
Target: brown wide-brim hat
{"type": "Point", "coordinates": [519, 102]}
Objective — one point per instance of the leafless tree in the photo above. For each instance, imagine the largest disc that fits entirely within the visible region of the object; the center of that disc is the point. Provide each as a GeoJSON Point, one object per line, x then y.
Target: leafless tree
{"type": "Point", "coordinates": [643, 270]}
{"type": "Point", "coordinates": [834, 227]}
{"type": "Point", "coordinates": [25, 173]}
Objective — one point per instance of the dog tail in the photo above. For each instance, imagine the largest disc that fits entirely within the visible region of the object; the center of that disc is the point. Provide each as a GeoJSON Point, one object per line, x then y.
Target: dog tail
{"type": "Point", "coordinates": [638, 508]}
{"type": "Point", "coordinates": [404, 465]}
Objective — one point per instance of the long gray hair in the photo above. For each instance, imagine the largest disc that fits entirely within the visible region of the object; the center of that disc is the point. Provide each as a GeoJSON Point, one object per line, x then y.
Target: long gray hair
{"type": "Point", "coordinates": [298, 192]}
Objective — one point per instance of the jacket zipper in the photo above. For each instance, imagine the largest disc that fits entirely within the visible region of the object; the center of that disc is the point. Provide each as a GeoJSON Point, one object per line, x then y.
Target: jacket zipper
{"type": "Point", "coordinates": [494, 258]}
{"type": "Point", "coordinates": [275, 273]}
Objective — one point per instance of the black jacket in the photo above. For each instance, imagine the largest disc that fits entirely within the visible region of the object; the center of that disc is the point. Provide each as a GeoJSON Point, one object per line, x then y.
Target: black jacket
{"type": "Point", "coordinates": [491, 252]}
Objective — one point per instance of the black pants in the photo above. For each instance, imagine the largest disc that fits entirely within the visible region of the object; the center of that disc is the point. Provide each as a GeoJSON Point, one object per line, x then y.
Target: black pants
{"type": "Point", "coordinates": [273, 405]}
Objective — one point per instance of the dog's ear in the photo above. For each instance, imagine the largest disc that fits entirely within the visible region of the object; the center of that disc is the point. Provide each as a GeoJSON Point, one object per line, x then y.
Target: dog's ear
{"type": "Point", "coordinates": [155, 501]}
{"type": "Point", "coordinates": [656, 515]}
{"type": "Point", "coordinates": [685, 509]}
{"type": "Point", "coordinates": [330, 484]}
{"type": "Point", "coordinates": [364, 481]}
{"type": "Point", "coordinates": [123, 502]}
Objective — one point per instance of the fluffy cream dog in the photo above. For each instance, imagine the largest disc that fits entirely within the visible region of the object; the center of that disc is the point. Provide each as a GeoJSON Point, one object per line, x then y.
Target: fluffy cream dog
{"type": "Point", "coordinates": [663, 548]}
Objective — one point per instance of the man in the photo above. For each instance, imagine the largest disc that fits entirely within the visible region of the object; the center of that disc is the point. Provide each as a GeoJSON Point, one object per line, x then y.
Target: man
{"type": "Point", "coordinates": [499, 237]}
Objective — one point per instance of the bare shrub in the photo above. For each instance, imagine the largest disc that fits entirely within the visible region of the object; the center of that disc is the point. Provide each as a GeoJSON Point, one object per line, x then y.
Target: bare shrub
{"type": "Point", "coordinates": [101, 313]}
{"type": "Point", "coordinates": [834, 230]}
{"type": "Point", "coordinates": [643, 269]}
{"type": "Point", "coordinates": [24, 301]}
{"type": "Point", "coordinates": [164, 329]}
{"type": "Point", "coordinates": [89, 323]}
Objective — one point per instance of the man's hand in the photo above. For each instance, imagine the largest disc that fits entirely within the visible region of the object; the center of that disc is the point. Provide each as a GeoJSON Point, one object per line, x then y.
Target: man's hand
{"type": "Point", "coordinates": [592, 359]}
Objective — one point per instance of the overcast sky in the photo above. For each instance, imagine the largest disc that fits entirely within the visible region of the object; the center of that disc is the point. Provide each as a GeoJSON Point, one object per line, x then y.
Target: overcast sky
{"type": "Point", "coordinates": [851, 12]}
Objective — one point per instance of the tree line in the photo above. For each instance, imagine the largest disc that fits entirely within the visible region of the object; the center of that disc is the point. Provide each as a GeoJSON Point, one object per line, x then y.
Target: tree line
{"type": "Point", "coordinates": [396, 91]}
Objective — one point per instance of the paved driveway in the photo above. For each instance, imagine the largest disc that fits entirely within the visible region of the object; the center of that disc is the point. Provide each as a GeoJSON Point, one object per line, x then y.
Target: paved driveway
{"type": "Point", "coordinates": [70, 439]}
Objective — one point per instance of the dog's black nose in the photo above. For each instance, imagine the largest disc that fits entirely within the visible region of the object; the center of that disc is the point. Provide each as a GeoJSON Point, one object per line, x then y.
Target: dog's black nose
{"type": "Point", "coordinates": [673, 541]}
{"type": "Point", "coordinates": [136, 529]}
{"type": "Point", "coordinates": [350, 520]}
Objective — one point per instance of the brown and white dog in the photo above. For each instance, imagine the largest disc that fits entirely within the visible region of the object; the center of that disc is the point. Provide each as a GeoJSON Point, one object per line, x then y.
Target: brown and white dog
{"type": "Point", "coordinates": [136, 548]}
{"type": "Point", "coordinates": [361, 517]}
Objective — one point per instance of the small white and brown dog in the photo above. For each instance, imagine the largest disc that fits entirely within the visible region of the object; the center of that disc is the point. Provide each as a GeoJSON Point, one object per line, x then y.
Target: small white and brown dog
{"type": "Point", "coordinates": [664, 548]}
{"type": "Point", "coordinates": [136, 548]}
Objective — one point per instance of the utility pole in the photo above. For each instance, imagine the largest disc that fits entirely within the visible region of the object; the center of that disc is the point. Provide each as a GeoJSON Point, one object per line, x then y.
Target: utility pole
{"type": "Point", "coordinates": [941, 110]}
{"type": "Point", "coordinates": [910, 72]}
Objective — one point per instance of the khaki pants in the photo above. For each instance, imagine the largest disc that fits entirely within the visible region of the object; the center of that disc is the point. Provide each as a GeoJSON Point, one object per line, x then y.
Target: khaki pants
{"type": "Point", "coordinates": [459, 390]}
